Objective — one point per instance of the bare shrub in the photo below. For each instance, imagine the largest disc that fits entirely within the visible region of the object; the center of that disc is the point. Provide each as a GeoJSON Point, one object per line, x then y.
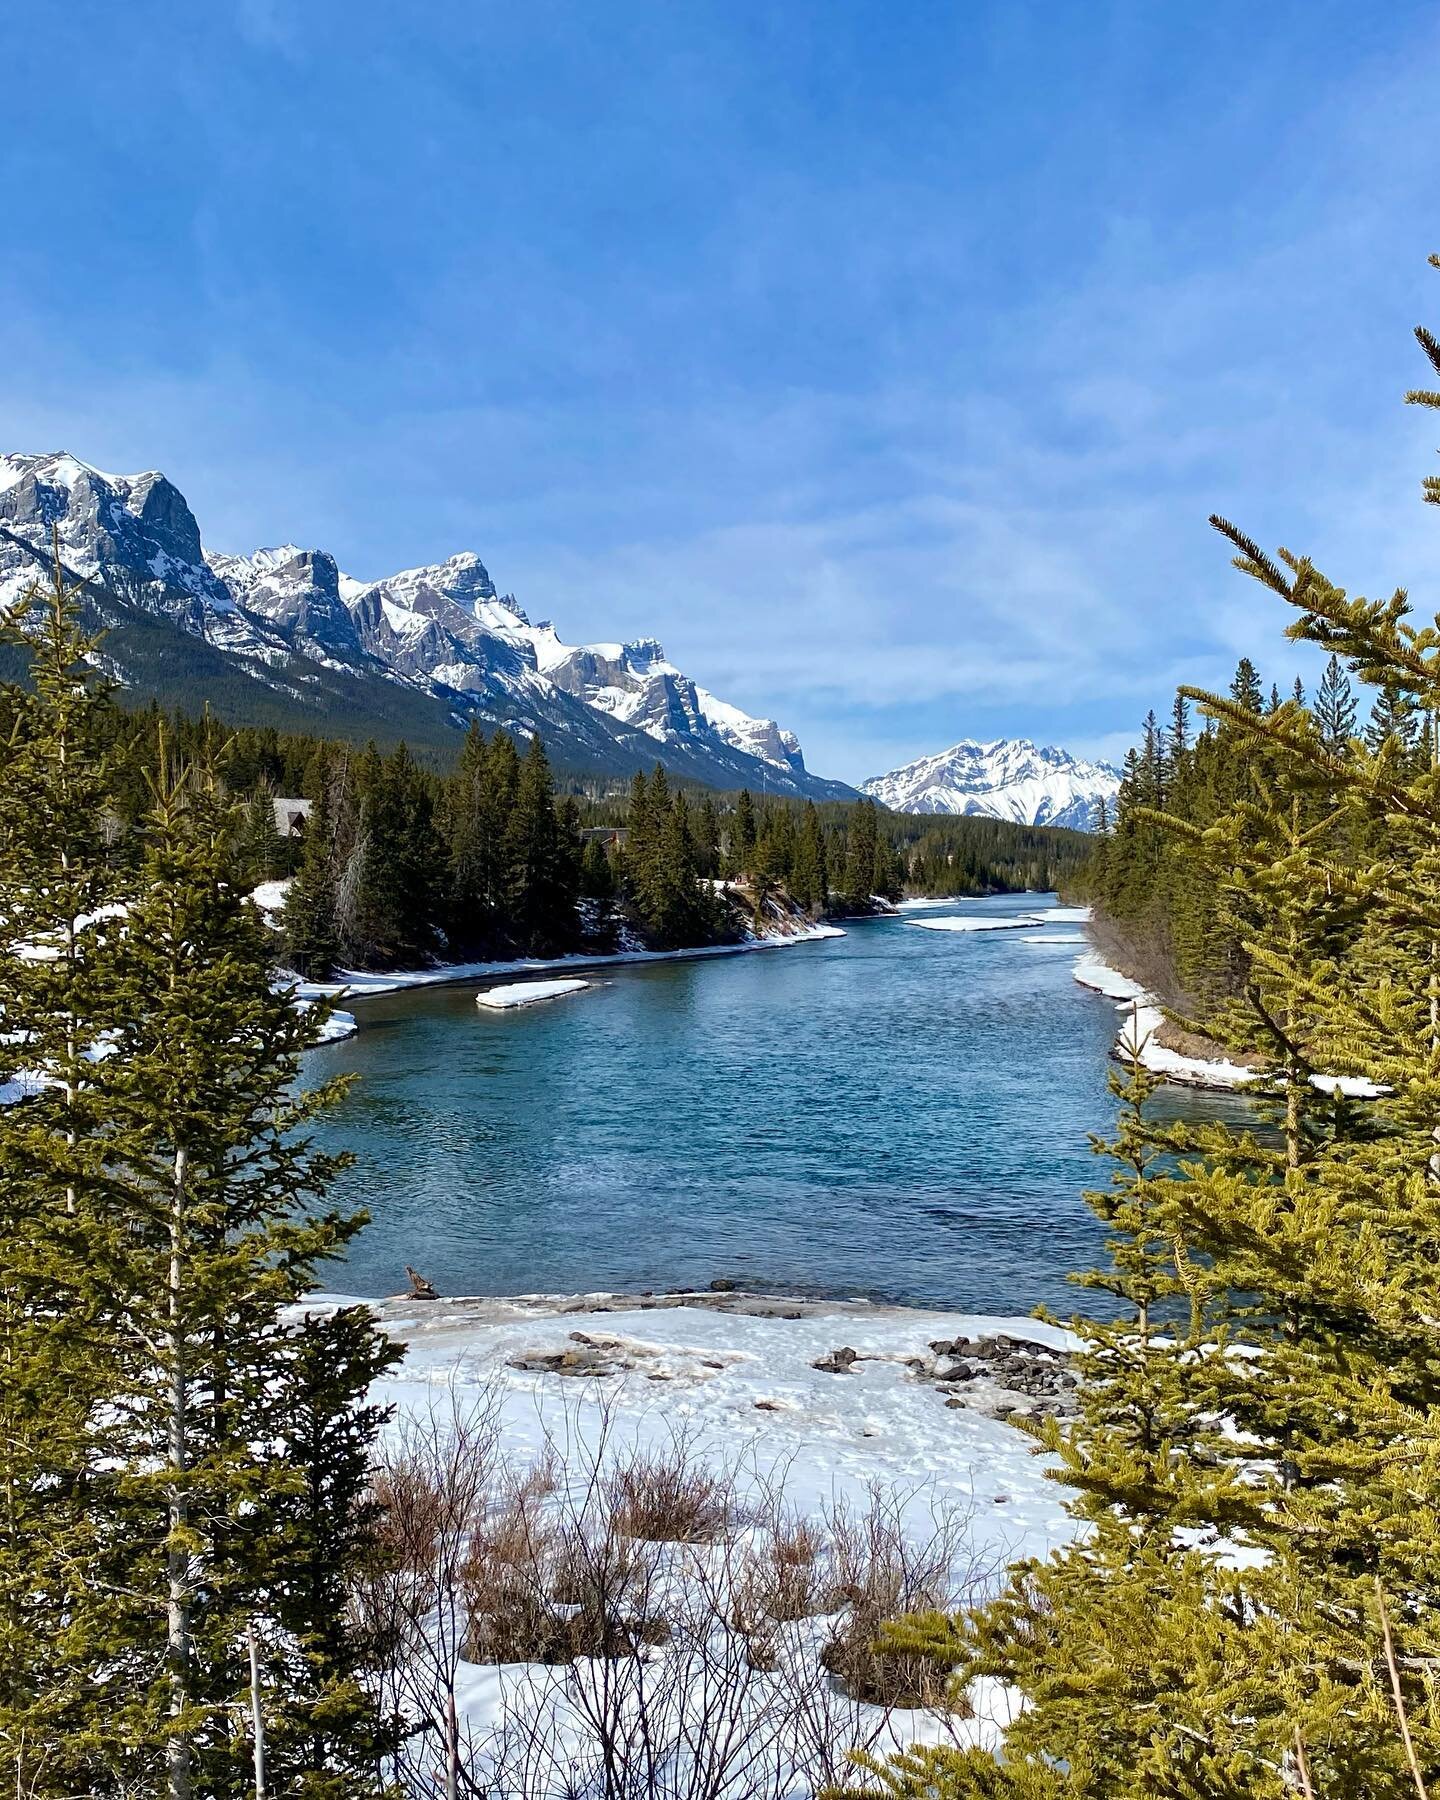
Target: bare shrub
{"type": "Point", "coordinates": [669, 1497]}
{"type": "Point", "coordinates": [436, 1475]}
{"type": "Point", "coordinates": [509, 1615]}
{"type": "Point", "coordinates": [884, 1571]}
{"type": "Point", "coordinates": [647, 1636]}
{"type": "Point", "coordinates": [785, 1573]}
{"type": "Point", "coordinates": [548, 1588]}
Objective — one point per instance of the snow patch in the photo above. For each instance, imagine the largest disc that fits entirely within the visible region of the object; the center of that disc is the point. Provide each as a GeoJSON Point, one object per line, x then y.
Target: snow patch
{"type": "Point", "coordinates": [526, 993]}
{"type": "Point", "coordinates": [1138, 1040]}
{"type": "Point", "coordinates": [1028, 920]}
{"type": "Point", "coordinates": [357, 984]}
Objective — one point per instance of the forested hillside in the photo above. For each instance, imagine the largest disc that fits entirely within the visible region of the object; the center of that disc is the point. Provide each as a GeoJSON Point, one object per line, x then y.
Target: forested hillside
{"type": "Point", "coordinates": [400, 863]}
{"type": "Point", "coordinates": [1160, 912]}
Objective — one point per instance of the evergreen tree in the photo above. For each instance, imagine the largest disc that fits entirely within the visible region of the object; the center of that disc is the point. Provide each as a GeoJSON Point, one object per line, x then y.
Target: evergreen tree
{"type": "Point", "coordinates": [1392, 717]}
{"type": "Point", "coordinates": [597, 877]}
{"type": "Point", "coordinates": [1179, 732]}
{"type": "Point", "coordinates": [62, 891]}
{"type": "Point", "coordinates": [263, 853]}
{"type": "Point", "coordinates": [1224, 1615]}
{"type": "Point", "coordinates": [1335, 707]}
{"type": "Point", "coordinates": [707, 838]}
{"type": "Point", "coordinates": [311, 943]}
{"type": "Point", "coordinates": [324, 1737]}
{"type": "Point", "coordinates": [160, 1205]}
{"type": "Point", "coordinates": [392, 921]}
{"type": "Point", "coordinates": [472, 849]}
{"type": "Point", "coordinates": [860, 852]}
{"type": "Point", "coordinates": [204, 1229]}
{"type": "Point", "coordinates": [542, 877]}
{"type": "Point", "coordinates": [742, 848]}
{"type": "Point", "coordinates": [809, 877]}
{"type": "Point", "coordinates": [1245, 689]}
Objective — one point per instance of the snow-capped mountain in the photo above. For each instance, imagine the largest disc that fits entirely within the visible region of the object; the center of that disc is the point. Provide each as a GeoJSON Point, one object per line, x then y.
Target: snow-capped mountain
{"type": "Point", "coordinates": [1010, 778]}
{"type": "Point", "coordinates": [283, 636]}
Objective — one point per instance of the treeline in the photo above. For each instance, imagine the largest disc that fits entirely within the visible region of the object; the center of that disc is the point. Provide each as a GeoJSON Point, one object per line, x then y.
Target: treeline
{"type": "Point", "coordinates": [398, 867]}
{"type": "Point", "coordinates": [977, 856]}
{"type": "Point", "coordinates": [1158, 907]}
{"type": "Point", "coordinates": [400, 864]}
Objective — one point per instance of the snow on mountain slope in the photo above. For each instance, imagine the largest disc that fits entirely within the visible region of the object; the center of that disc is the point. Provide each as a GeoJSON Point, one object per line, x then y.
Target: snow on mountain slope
{"type": "Point", "coordinates": [438, 637]}
{"type": "Point", "coordinates": [298, 589]}
{"type": "Point", "coordinates": [1010, 778]}
{"type": "Point", "coordinates": [447, 621]}
{"type": "Point", "coordinates": [134, 533]}
{"type": "Point", "coordinates": [636, 684]}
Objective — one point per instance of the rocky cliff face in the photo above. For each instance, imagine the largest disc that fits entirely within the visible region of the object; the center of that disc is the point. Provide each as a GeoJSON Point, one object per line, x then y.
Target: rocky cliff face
{"type": "Point", "coordinates": [1008, 778]}
{"type": "Point", "coordinates": [132, 533]}
{"type": "Point", "coordinates": [298, 590]}
{"type": "Point", "coordinates": [436, 644]}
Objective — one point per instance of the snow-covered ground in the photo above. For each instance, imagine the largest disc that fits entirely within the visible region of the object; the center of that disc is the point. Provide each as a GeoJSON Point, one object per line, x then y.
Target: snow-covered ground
{"type": "Point", "coordinates": [270, 898]}
{"type": "Point", "coordinates": [1142, 1017]}
{"type": "Point", "coordinates": [592, 1379]}
{"type": "Point", "coordinates": [339, 1025]}
{"type": "Point", "coordinates": [738, 1369]}
{"type": "Point", "coordinates": [527, 993]}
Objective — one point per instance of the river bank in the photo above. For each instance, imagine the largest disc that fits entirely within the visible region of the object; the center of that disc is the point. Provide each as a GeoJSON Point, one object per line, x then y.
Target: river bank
{"type": "Point", "coordinates": [753, 1379]}
{"type": "Point", "coordinates": [867, 1486]}
{"type": "Point", "coordinates": [1145, 1025]}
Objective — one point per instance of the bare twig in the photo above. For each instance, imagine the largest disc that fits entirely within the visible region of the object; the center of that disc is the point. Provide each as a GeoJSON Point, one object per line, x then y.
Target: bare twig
{"type": "Point", "coordinates": [1400, 1712]}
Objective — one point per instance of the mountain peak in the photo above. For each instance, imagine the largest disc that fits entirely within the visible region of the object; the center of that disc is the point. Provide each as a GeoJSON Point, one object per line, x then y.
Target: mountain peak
{"type": "Point", "coordinates": [1005, 778]}
{"type": "Point", "coordinates": [435, 644]}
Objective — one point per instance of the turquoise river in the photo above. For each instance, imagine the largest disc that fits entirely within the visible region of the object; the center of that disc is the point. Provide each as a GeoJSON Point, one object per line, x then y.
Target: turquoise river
{"type": "Point", "coordinates": [900, 1112]}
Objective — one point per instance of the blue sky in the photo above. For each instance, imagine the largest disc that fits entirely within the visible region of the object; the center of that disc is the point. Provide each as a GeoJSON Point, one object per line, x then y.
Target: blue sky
{"type": "Point", "coordinates": [884, 360]}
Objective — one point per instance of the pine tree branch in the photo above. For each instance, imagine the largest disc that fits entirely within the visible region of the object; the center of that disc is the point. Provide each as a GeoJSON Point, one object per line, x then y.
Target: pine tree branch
{"type": "Point", "coordinates": [1429, 344]}
{"type": "Point", "coordinates": [1252, 560]}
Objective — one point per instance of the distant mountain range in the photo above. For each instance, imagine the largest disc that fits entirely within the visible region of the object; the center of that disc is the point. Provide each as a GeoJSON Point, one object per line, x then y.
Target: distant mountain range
{"type": "Point", "coordinates": [1010, 778]}
{"type": "Point", "coordinates": [284, 637]}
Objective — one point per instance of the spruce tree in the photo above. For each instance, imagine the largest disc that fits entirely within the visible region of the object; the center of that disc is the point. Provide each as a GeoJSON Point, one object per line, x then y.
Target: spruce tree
{"type": "Point", "coordinates": [707, 837]}
{"type": "Point", "coordinates": [162, 1205]}
{"type": "Point", "coordinates": [311, 942]}
{"type": "Point", "coordinates": [1179, 741]}
{"type": "Point", "coordinates": [1335, 707]}
{"type": "Point", "coordinates": [1226, 1615]}
{"type": "Point", "coordinates": [742, 847]}
{"type": "Point", "coordinates": [860, 851]}
{"type": "Point", "coordinates": [1245, 689]}
{"type": "Point", "coordinates": [64, 890]}
{"type": "Point", "coordinates": [541, 874]}
{"type": "Point", "coordinates": [1392, 717]}
{"type": "Point", "coordinates": [207, 1226]}
{"type": "Point", "coordinates": [809, 877]}
{"type": "Point", "coordinates": [263, 853]}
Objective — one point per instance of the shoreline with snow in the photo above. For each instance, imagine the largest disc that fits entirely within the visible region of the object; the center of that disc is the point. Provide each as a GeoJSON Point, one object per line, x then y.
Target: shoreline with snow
{"type": "Point", "coordinates": [740, 1368]}
{"type": "Point", "coordinates": [360, 984]}
{"type": "Point", "coordinates": [896, 1464]}
{"type": "Point", "coordinates": [1137, 1040]}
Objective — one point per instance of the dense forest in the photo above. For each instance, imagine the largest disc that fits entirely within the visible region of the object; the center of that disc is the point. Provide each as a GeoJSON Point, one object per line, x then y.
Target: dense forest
{"type": "Point", "coordinates": [398, 864]}
{"type": "Point", "coordinates": [1160, 910]}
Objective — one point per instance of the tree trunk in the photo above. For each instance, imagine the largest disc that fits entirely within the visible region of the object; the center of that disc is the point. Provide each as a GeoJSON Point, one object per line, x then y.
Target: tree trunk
{"type": "Point", "coordinates": [257, 1717]}
{"type": "Point", "coordinates": [177, 1634]}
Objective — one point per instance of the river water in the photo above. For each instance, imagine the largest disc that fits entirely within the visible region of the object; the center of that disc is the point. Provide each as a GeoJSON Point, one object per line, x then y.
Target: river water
{"type": "Point", "coordinates": [900, 1113]}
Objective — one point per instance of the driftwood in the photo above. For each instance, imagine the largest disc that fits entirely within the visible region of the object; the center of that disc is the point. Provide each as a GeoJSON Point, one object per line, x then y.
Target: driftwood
{"type": "Point", "coordinates": [420, 1288]}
